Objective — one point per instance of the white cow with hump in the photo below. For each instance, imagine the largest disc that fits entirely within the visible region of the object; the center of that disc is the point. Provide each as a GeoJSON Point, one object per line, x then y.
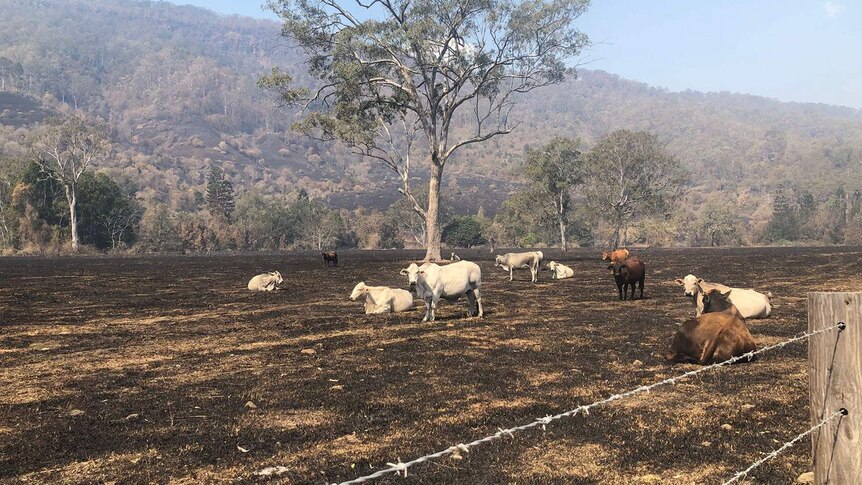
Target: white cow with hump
{"type": "Point", "coordinates": [432, 282]}
{"type": "Point", "coordinates": [382, 299]}
{"type": "Point", "coordinates": [266, 281]}
{"type": "Point", "coordinates": [560, 271]}
{"type": "Point", "coordinates": [529, 260]}
{"type": "Point", "coordinates": [750, 303]}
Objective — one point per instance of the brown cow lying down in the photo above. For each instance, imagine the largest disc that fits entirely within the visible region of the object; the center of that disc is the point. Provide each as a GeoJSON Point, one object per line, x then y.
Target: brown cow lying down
{"type": "Point", "coordinates": [616, 256]}
{"type": "Point", "coordinates": [717, 335]}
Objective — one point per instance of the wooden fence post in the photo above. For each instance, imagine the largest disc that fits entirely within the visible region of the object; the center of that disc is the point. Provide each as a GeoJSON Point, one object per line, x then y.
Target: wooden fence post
{"type": "Point", "coordinates": [835, 382]}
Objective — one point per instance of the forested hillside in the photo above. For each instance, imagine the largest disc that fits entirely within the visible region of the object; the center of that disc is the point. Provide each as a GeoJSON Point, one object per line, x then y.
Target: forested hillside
{"type": "Point", "coordinates": [177, 88]}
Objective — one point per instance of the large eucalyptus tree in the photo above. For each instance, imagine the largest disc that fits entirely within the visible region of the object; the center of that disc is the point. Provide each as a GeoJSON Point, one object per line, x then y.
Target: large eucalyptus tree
{"type": "Point", "coordinates": [404, 79]}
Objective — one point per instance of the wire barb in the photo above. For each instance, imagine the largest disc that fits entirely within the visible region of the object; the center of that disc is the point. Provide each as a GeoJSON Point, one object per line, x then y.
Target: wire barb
{"type": "Point", "coordinates": [400, 468]}
{"type": "Point", "coordinates": [739, 476]}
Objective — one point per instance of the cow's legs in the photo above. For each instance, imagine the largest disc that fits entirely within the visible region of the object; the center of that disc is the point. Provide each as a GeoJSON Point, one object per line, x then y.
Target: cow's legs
{"type": "Point", "coordinates": [434, 301]}
{"type": "Point", "coordinates": [428, 313]}
{"type": "Point", "coordinates": [510, 274]}
{"type": "Point", "coordinates": [642, 288]}
{"type": "Point", "coordinates": [478, 301]}
{"type": "Point", "coordinates": [471, 303]}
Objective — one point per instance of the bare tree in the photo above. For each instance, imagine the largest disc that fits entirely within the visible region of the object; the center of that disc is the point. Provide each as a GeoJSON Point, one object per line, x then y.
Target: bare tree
{"type": "Point", "coordinates": [118, 222]}
{"type": "Point", "coordinates": [65, 148]}
{"type": "Point", "coordinates": [393, 73]}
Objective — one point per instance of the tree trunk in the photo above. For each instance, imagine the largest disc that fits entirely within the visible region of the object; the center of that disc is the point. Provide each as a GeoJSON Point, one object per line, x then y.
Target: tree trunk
{"type": "Point", "coordinates": [562, 218]}
{"type": "Point", "coordinates": [72, 199]}
{"type": "Point", "coordinates": [432, 223]}
{"type": "Point", "coordinates": [563, 234]}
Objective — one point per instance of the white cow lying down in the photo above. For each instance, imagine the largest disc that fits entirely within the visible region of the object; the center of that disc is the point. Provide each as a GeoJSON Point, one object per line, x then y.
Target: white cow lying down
{"type": "Point", "coordinates": [382, 299]}
{"type": "Point", "coordinates": [266, 281]}
{"type": "Point", "coordinates": [560, 271]}
{"type": "Point", "coordinates": [750, 303]}
{"type": "Point", "coordinates": [432, 282]}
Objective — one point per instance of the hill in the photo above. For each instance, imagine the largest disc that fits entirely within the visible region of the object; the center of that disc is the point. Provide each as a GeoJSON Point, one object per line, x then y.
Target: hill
{"type": "Point", "coordinates": [177, 86]}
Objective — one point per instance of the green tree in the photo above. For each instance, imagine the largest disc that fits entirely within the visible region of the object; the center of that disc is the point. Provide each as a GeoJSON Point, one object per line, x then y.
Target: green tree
{"type": "Point", "coordinates": [266, 223]}
{"type": "Point", "coordinates": [109, 217]}
{"type": "Point", "coordinates": [394, 71]}
{"type": "Point", "coordinates": [65, 148]}
{"type": "Point", "coordinates": [784, 223]}
{"type": "Point", "coordinates": [718, 224]}
{"type": "Point", "coordinates": [463, 232]}
{"type": "Point", "coordinates": [220, 198]}
{"type": "Point", "coordinates": [388, 235]}
{"type": "Point", "coordinates": [554, 171]}
{"type": "Point", "coordinates": [159, 231]}
{"type": "Point", "coordinates": [807, 213]}
{"type": "Point", "coordinates": [836, 216]}
{"type": "Point", "coordinates": [632, 175]}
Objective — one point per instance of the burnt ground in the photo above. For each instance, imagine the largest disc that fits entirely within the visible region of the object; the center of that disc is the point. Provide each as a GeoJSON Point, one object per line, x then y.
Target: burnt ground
{"type": "Point", "coordinates": [139, 370]}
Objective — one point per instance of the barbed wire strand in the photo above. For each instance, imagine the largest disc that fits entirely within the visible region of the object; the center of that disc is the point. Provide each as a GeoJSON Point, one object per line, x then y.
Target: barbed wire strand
{"type": "Point", "coordinates": [401, 467]}
{"type": "Point", "coordinates": [739, 476]}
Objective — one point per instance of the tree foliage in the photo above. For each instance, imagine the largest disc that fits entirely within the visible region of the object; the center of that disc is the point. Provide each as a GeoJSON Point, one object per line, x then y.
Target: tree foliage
{"type": "Point", "coordinates": [632, 175]}
{"type": "Point", "coordinates": [463, 232]}
{"type": "Point", "coordinates": [219, 196]}
{"type": "Point", "coordinates": [554, 171]}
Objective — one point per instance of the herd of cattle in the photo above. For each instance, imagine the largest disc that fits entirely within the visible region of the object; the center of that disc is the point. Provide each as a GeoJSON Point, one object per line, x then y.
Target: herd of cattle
{"type": "Point", "coordinates": [717, 333]}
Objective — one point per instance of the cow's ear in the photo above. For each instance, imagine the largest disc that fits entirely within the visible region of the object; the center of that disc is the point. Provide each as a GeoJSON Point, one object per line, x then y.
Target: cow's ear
{"type": "Point", "coordinates": [404, 272]}
{"type": "Point", "coordinates": [725, 293]}
{"type": "Point", "coordinates": [699, 281]}
{"type": "Point", "coordinates": [610, 268]}
{"type": "Point", "coordinates": [680, 282]}
{"type": "Point", "coordinates": [422, 272]}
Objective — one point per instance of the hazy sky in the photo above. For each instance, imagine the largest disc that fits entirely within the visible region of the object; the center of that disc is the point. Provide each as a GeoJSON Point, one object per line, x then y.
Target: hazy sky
{"type": "Point", "coordinates": [793, 50]}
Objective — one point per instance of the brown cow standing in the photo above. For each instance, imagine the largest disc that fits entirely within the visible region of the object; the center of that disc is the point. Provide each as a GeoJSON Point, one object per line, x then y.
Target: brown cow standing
{"type": "Point", "coordinates": [330, 257]}
{"type": "Point", "coordinates": [716, 336]}
{"type": "Point", "coordinates": [615, 256]}
{"type": "Point", "coordinates": [629, 272]}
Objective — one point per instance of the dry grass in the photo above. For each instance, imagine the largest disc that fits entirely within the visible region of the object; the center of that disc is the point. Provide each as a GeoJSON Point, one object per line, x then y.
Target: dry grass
{"type": "Point", "coordinates": [140, 370]}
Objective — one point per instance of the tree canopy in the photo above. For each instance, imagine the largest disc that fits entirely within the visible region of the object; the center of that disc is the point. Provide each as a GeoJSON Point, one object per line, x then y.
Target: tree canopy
{"type": "Point", "coordinates": [394, 75]}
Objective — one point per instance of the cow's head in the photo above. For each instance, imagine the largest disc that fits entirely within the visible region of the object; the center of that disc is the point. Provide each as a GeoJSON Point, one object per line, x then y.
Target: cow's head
{"type": "Point", "coordinates": [498, 261]}
{"type": "Point", "coordinates": [358, 290]}
{"type": "Point", "coordinates": [277, 277]}
{"type": "Point", "coordinates": [605, 255]}
{"type": "Point", "coordinates": [690, 285]}
{"type": "Point", "coordinates": [713, 301]}
{"type": "Point", "coordinates": [552, 265]}
{"type": "Point", "coordinates": [412, 273]}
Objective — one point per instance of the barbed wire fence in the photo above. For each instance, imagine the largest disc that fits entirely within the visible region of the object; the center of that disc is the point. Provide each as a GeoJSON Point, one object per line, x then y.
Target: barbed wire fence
{"type": "Point", "coordinates": [739, 476]}
{"type": "Point", "coordinates": [401, 468]}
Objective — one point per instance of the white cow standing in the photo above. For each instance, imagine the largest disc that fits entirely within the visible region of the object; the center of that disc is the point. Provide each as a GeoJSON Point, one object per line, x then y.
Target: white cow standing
{"type": "Point", "coordinates": [750, 303]}
{"type": "Point", "coordinates": [560, 271]}
{"type": "Point", "coordinates": [530, 260]}
{"type": "Point", "coordinates": [382, 299]}
{"type": "Point", "coordinates": [266, 281]}
{"type": "Point", "coordinates": [432, 282]}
